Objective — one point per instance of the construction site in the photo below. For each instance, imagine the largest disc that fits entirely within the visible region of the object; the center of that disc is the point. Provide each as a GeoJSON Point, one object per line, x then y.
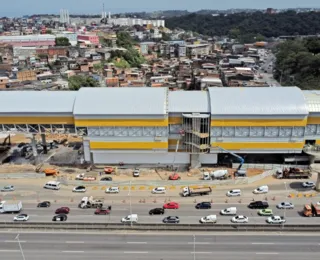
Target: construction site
{"type": "Point", "coordinates": [175, 131]}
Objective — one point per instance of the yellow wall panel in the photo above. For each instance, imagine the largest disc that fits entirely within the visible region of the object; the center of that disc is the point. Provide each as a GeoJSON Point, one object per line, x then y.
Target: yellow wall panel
{"type": "Point", "coordinates": [259, 122]}
{"type": "Point", "coordinates": [173, 142]}
{"type": "Point", "coordinates": [121, 122]}
{"type": "Point", "coordinates": [313, 121]}
{"type": "Point", "coordinates": [258, 146]}
{"type": "Point", "coordinates": [317, 142]}
{"type": "Point", "coordinates": [175, 120]}
{"type": "Point", "coordinates": [37, 120]}
{"type": "Point", "coordinates": [128, 145]}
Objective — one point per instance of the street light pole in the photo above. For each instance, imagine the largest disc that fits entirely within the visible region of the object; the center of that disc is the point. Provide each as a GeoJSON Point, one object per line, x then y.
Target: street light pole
{"type": "Point", "coordinates": [130, 203]}
{"type": "Point", "coordinates": [17, 238]}
{"type": "Point", "coordinates": [285, 185]}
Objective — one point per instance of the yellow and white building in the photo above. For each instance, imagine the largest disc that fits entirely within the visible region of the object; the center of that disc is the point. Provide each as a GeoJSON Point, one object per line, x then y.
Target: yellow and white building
{"type": "Point", "coordinates": [153, 126]}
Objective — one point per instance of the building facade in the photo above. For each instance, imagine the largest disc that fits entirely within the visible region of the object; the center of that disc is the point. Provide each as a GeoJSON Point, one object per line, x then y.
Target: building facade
{"type": "Point", "coordinates": [152, 126]}
{"type": "Point", "coordinates": [29, 40]}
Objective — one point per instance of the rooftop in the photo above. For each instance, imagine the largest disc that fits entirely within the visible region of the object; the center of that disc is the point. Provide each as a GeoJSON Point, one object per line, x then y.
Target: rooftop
{"type": "Point", "coordinates": [189, 102]}
{"type": "Point", "coordinates": [312, 98]}
{"type": "Point", "coordinates": [285, 101]}
{"type": "Point", "coordinates": [21, 102]}
{"type": "Point", "coordinates": [121, 101]}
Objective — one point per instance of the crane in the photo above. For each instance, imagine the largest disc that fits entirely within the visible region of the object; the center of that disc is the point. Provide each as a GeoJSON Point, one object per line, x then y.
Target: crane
{"type": "Point", "coordinates": [235, 155]}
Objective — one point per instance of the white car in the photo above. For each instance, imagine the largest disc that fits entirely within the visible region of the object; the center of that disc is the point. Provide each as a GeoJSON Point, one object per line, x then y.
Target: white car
{"type": "Point", "coordinates": [308, 184]}
{"type": "Point", "coordinates": [240, 219]}
{"type": "Point", "coordinates": [276, 220]}
{"type": "Point", "coordinates": [79, 189]}
{"type": "Point", "coordinates": [21, 217]}
{"type": "Point", "coordinates": [285, 205]}
{"type": "Point", "coordinates": [8, 188]}
{"type": "Point", "coordinates": [159, 190]}
{"type": "Point", "coordinates": [136, 172]}
{"type": "Point", "coordinates": [112, 190]}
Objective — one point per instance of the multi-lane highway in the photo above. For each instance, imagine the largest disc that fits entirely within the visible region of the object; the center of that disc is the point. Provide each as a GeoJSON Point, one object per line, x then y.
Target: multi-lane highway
{"type": "Point", "coordinates": [39, 246]}
{"type": "Point", "coordinates": [187, 214]}
{"type": "Point", "coordinates": [30, 194]}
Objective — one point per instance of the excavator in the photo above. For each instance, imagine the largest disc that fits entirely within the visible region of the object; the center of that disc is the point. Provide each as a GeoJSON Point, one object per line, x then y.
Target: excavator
{"type": "Point", "coordinates": [5, 145]}
{"type": "Point", "coordinates": [238, 172]}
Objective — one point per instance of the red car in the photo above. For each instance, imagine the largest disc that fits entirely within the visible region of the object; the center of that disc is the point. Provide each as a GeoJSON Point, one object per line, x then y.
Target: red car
{"type": "Point", "coordinates": [64, 210]}
{"type": "Point", "coordinates": [102, 211]}
{"type": "Point", "coordinates": [171, 205]}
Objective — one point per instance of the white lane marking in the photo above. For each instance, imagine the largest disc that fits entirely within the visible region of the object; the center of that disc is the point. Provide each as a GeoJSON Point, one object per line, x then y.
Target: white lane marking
{"type": "Point", "coordinates": [266, 253]}
{"type": "Point", "coordinates": [262, 243]}
{"type": "Point", "coordinates": [14, 241]}
{"type": "Point", "coordinates": [201, 252]}
{"type": "Point", "coordinates": [199, 243]}
{"type": "Point", "coordinates": [135, 252]}
{"type": "Point", "coordinates": [75, 242]}
{"type": "Point", "coordinates": [4, 250]}
{"type": "Point", "coordinates": [136, 242]}
{"type": "Point", "coordinates": [73, 252]}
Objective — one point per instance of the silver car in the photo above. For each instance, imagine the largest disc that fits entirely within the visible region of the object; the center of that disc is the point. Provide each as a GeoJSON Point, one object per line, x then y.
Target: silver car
{"type": "Point", "coordinates": [285, 205]}
{"type": "Point", "coordinates": [8, 188]}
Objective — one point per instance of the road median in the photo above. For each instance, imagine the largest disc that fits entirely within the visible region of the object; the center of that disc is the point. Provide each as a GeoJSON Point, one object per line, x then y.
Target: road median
{"type": "Point", "coordinates": [157, 227]}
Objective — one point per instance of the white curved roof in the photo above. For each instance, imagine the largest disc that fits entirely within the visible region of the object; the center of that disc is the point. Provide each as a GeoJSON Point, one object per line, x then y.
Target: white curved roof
{"type": "Point", "coordinates": [121, 101]}
{"type": "Point", "coordinates": [266, 101]}
{"type": "Point", "coordinates": [189, 102]}
{"type": "Point", "coordinates": [37, 102]}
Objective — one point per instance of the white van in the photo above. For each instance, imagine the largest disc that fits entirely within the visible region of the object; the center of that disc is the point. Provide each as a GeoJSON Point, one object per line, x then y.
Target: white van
{"type": "Point", "coordinates": [112, 190]}
{"type": "Point", "coordinates": [159, 190]}
{"type": "Point", "coordinates": [234, 193]}
{"type": "Point", "coordinates": [209, 219]}
{"type": "Point", "coordinates": [261, 189]}
{"type": "Point", "coordinates": [229, 211]}
{"type": "Point", "coordinates": [52, 185]}
{"type": "Point", "coordinates": [130, 218]}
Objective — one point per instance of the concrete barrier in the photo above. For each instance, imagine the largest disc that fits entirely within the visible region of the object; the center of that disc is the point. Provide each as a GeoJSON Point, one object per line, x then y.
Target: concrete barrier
{"type": "Point", "coordinates": [26, 175]}
{"type": "Point", "coordinates": [159, 227]}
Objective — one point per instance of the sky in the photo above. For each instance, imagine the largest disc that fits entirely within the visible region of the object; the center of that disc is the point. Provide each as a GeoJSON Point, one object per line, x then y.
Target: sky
{"type": "Point", "coordinates": [28, 7]}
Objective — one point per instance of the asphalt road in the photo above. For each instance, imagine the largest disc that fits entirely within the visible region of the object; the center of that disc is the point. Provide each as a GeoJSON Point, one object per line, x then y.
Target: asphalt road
{"type": "Point", "coordinates": [158, 247]}
{"type": "Point", "coordinates": [187, 214]}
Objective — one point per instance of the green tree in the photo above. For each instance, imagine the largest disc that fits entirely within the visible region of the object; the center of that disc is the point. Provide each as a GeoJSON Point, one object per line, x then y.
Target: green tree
{"type": "Point", "coordinates": [98, 68]}
{"type": "Point", "coordinates": [166, 37]}
{"type": "Point", "coordinates": [78, 81]}
{"type": "Point", "coordinates": [131, 56]}
{"type": "Point", "coordinates": [297, 64]}
{"type": "Point", "coordinates": [62, 41]}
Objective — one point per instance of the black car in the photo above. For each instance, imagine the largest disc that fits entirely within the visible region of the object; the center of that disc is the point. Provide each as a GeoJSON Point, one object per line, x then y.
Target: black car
{"type": "Point", "coordinates": [259, 205]}
{"type": "Point", "coordinates": [60, 217]}
{"type": "Point", "coordinates": [106, 179]}
{"type": "Point", "coordinates": [171, 219]}
{"type": "Point", "coordinates": [203, 205]}
{"type": "Point", "coordinates": [44, 204]}
{"type": "Point", "coordinates": [156, 211]}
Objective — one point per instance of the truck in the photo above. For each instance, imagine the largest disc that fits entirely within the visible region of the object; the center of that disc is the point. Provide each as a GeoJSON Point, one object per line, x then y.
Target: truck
{"type": "Point", "coordinates": [312, 210]}
{"type": "Point", "coordinates": [198, 191]}
{"type": "Point", "coordinates": [293, 173]}
{"type": "Point", "coordinates": [85, 177]}
{"type": "Point", "coordinates": [91, 202]}
{"type": "Point", "coordinates": [216, 175]}
{"type": "Point", "coordinates": [10, 207]}
{"type": "Point", "coordinates": [239, 172]}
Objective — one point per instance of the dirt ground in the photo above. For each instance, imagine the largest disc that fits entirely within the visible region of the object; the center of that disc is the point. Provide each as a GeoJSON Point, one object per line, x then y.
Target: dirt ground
{"type": "Point", "coordinates": [122, 174]}
{"type": "Point", "coordinates": [22, 138]}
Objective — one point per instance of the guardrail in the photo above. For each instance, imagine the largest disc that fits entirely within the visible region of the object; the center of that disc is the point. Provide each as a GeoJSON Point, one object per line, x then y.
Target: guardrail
{"type": "Point", "coordinates": [27, 175]}
{"type": "Point", "coordinates": [158, 227]}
